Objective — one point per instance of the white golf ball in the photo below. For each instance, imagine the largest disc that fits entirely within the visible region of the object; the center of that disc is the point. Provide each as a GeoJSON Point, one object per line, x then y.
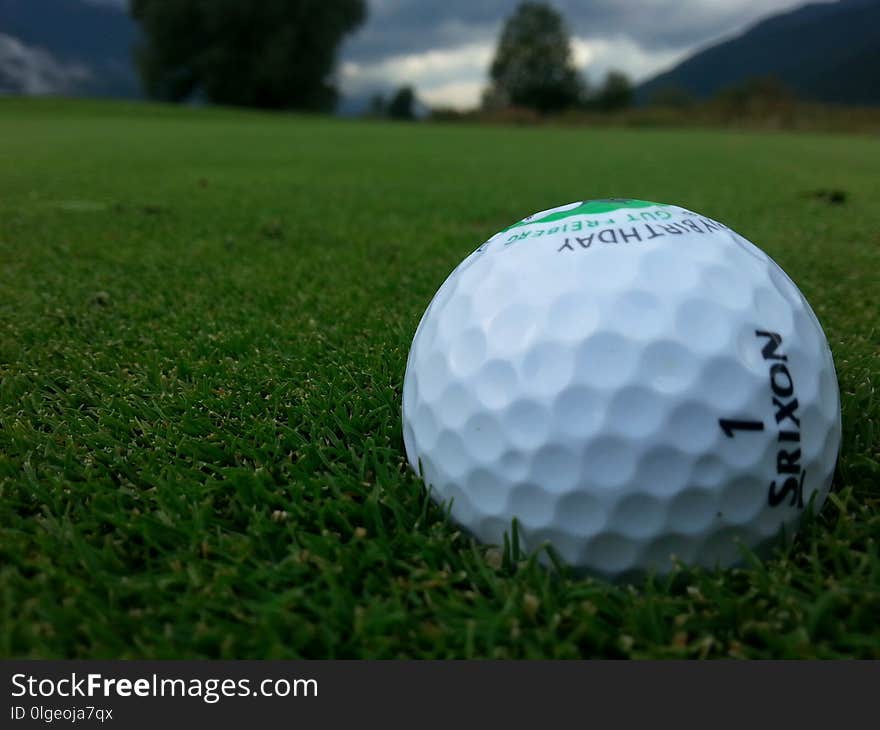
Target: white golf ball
{"type": "Point", "coordinates": [635, 383]}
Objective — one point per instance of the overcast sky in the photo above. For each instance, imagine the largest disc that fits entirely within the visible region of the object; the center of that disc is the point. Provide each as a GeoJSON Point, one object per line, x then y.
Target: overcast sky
{"type": "Point", "coordinates": [444, 47]}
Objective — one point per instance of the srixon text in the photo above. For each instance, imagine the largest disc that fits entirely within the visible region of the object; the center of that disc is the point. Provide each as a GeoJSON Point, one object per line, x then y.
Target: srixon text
{"type": "Point", "coordinates": [788, 485]}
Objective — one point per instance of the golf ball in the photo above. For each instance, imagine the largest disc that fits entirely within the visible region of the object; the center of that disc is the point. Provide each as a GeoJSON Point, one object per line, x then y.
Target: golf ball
{"type": "Point", "coordinates": [635, 383]}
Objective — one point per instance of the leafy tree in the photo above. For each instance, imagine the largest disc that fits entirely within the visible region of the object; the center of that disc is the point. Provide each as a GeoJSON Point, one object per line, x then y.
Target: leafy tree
{"type": "Point", "coordinates": [402, 104]}
{"type": "Point", "coordinates": [378, 106]}
{"type": "Point", "coordinates": [766, 89]}
{"type": "Point", "coordinates": [616, 92]}
{"type": "Point", "coordinates": [262, 53]}
{"type": "Point", "coordinates": [492, 99]}
{"type": "Point", "coordinates": [674, 97]}
{"type": "Point", "coordinates": [761, 97]}
{"type": "Point", "coordinates": [533, 64]}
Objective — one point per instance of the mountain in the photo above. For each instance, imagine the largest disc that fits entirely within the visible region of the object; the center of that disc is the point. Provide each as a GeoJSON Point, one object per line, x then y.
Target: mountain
{"type": "Point", "coordinates": [70, 47]}
{"type": "Point", "coordinates": [826, 52]}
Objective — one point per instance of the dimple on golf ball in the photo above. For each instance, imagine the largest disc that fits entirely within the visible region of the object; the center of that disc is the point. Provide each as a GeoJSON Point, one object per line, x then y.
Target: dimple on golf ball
{"type": "Point", "coordinates": [635, 383]}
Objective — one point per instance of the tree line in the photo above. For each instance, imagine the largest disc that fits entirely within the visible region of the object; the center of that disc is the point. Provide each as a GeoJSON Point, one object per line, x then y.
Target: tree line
{"type": "Point", "coordinates": [281, 54]}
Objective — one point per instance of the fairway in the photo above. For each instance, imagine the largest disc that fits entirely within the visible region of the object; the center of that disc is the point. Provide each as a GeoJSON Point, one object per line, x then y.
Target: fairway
{"type": "Point", "coordinates": [204, 323]}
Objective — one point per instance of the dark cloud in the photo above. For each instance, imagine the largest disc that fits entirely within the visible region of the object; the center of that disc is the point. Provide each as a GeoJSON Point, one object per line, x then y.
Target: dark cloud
{"type": "Point", "coordinates": [29, 70]}
{"type": "Point", "coordinates": [410, 26]}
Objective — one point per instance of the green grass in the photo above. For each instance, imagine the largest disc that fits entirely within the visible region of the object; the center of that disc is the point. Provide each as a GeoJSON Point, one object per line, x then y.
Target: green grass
{"type": "Point", "coordinates": [204, 322]}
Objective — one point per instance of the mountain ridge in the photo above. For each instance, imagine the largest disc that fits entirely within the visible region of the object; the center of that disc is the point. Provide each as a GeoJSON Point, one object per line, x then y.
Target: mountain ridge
{"type": "Point", "coordinates": [827, 52]}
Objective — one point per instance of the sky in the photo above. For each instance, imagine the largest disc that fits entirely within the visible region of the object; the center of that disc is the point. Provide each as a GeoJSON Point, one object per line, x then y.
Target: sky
{"type": "Point", "coordinates": [444, 47]}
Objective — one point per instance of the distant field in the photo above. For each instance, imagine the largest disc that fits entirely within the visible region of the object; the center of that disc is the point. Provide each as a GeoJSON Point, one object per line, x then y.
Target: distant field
{"type": "Point", "coordinates": [204, 322]}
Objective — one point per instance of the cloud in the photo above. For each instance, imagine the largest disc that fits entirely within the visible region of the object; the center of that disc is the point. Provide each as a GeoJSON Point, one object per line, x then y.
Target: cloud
{"type": "Point", "coordinates": [621, 53]}
{"type": "Point", "coordinates": [454, 94]}
{"type": "Point", "coordinates": [444, 47]}
{"type": "Point", "coordinates": [456, 77]}
{"type": "Point", "coordinates": [396, 27]}
{"type": "Point", "coordinates": [444, 77]}
{"type": "Point", "coordinates": [25, 69]}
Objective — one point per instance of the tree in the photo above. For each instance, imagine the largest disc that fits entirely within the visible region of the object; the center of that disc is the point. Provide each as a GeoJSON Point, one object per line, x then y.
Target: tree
{"type": "Point", "coordinates": [756, 89]}
{"type": "Point", "coordinates": [378, 106]}
{"type": "Point", "coordinates": [672, 97]}
{"type": "Point", "coordinates": [616, 92]}
{"type": "Point", "coordinates": [533, 64]}
{"type": "Point", "coordinates": [263, 53]}
{"type": "Point", "coordinates": [761, 97]}
{"type": "Point", "coordinates": [402, 104]}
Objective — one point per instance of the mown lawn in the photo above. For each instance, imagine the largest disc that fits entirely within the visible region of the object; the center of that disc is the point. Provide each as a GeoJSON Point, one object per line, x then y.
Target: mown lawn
{"type": "Point", "coordinates": [204, 322]}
